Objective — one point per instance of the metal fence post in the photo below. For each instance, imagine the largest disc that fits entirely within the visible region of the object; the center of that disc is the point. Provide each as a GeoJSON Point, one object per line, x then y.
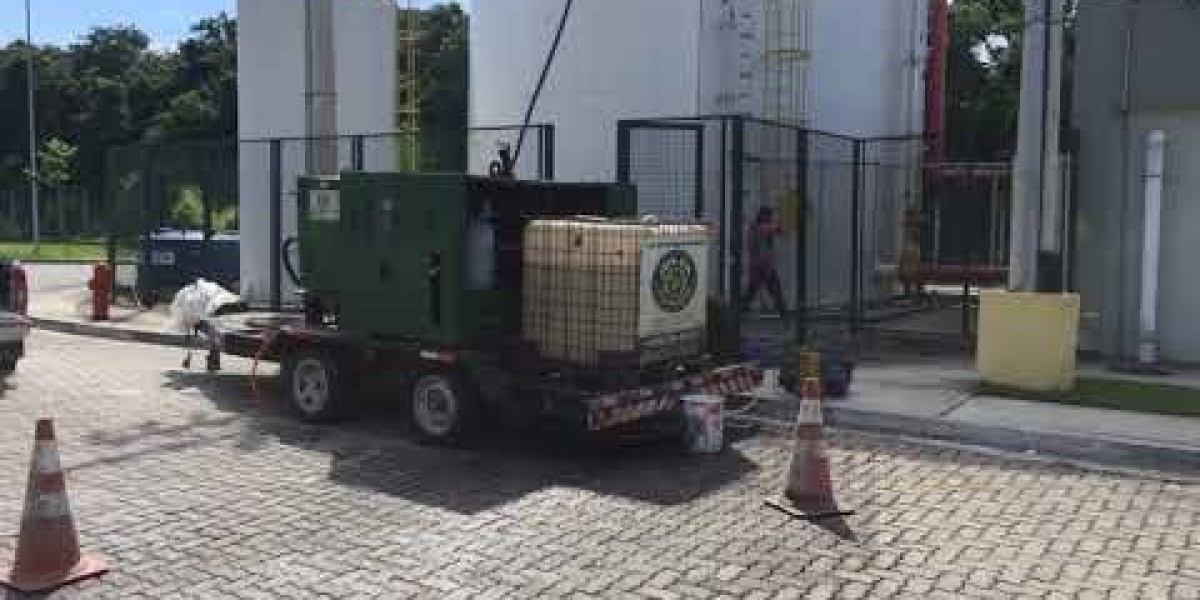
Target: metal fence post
{"type": "Point", "coordinates": [357, 148]}
{"type": "Point", "coordinates": [624, 132]}
{"type": "Point", "coordinates": [700, 171]}
{"type": "Point", "coordinates": [856, 236]}
{"type": "Point", "coordinates": [737, 195]}
{"type": "Point", "coordinates": [276, 175]}
{"type": "Point", "coordinates": [723, 197]}
{"type": "Point", "coordinates": [547, 160]}
{"type": "Point", "coordinates": [801, 236]}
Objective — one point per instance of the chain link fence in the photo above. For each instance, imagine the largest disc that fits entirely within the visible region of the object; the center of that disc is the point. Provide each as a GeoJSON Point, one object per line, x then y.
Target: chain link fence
{"type": "Point", "coordinates": [808, 222]}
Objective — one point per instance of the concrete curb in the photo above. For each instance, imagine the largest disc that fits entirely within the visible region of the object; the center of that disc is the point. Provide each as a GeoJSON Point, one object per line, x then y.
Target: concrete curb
{"type": "Point", "coordinates": [110, 332]}
{"type": "Point", "coordinates": [1093, 449]}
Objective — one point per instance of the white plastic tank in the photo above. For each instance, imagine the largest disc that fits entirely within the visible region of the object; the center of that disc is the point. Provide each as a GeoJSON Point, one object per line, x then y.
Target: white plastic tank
{"type": "Point", "coordinates": [272, 104]}
{"type": "Point", "coordinates": [856, 68]}
{"type": "Point", "coordinates": [618, 59]}
{"type": "Point", "coordinates": [633, 291]}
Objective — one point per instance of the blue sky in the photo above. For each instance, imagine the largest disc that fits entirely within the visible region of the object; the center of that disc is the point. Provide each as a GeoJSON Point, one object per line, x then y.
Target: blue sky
{"type": "Point", "coordinates": [63, 21]}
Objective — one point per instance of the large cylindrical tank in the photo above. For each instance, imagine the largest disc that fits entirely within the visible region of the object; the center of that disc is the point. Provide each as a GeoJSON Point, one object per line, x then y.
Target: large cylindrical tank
{"type": "Point", "coordinates": [618, 59]}
{"type": "Point", "coordinates": [273, 101]}
{"type": "Point", "coordinates": [848, 66]}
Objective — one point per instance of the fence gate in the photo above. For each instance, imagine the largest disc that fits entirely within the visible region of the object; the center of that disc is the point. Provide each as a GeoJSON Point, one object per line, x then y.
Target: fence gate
{"type": "Point", "coordinates": [838, 201]}
{"type": "Point", "coordinates": [665, 161]}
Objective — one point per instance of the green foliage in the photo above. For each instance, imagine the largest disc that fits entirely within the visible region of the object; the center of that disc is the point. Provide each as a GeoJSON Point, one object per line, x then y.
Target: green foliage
{"type": "Point", "coordinates": [1115, 393]}
{"type": "Point", "coordinates": [983, 78]}
{"type": "Point", "coordinates": [444, 72]}
{"type": "Point", "coordinates": [56, 162]}
{"type": "Point", "coordinates": [110, 88]}
{"type": "Point", "coordinates": [81, 251]}
{"type": "Point", "coordinates": [9, 229]}
{"type": "Point", "coordinates": [187, 211]}
{"type": "Point", "coordinates": [225, 219]}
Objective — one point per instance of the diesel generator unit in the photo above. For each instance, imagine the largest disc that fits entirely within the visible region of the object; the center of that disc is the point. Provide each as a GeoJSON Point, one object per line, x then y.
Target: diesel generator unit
{"type": "Point", "coordinates": [488, 295]}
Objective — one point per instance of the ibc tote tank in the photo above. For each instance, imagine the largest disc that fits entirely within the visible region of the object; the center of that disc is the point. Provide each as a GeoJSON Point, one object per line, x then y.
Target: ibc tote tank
{"type": "Point", "coordinates": [629, 292]}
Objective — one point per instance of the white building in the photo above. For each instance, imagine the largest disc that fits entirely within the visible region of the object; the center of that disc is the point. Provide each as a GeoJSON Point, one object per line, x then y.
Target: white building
{"type": "Point", "coordinates": [273, 92]}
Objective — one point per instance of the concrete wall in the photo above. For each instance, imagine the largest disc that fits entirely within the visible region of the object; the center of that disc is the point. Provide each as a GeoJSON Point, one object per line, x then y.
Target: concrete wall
{"type": "Point", "coordinates": [271, 104]}
{"type": "Point", "coordinates": [1163, 94]}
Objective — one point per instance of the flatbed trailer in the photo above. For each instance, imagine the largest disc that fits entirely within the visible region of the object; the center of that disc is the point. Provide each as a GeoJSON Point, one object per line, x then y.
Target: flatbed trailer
{"type": "Point", "coordinates": [450, 392]}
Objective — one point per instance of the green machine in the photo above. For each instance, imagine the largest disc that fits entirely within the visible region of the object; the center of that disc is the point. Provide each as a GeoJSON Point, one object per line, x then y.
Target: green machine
{"type": "Point", "coordinates": [434, 257]}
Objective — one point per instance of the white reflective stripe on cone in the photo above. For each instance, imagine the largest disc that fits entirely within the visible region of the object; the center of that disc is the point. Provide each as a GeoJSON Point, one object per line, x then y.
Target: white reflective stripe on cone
{"type": "Point", "coordinates": [53, 505]}
{"type": "Point", "coordinates": [46, 454]}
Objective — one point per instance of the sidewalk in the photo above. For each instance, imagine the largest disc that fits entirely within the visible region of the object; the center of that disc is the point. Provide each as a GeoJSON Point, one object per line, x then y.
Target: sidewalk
{"type": "Point", "coordinates": [924, 397]}
{"type": "Point", "coordinates": [69, 311]}
{"type": "Point", "coordinates": [935, 399]}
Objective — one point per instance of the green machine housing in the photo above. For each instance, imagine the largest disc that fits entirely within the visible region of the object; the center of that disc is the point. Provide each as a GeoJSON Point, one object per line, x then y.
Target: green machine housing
{"type": "Point", "coordinates": [390, 254]}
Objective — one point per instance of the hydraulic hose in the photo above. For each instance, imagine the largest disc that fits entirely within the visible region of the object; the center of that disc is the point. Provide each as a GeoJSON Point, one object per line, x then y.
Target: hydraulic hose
{"type": "Point", "coordinates": [286, 251]}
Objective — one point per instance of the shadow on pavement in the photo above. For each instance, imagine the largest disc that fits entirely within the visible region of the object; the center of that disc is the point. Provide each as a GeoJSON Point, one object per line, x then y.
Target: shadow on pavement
{"type": "Point", "coordinates": [374, 451]}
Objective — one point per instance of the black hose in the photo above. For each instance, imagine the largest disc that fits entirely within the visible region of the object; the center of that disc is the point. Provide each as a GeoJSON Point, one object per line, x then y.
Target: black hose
{"type": "Point", "coordinates": [537, 92]}
{"type": "Point", "coordinates": [286, 251]}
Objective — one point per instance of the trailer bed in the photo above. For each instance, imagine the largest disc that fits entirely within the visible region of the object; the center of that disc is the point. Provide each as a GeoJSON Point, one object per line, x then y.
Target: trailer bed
{"type": "Point", "coordinates": [271, 336]}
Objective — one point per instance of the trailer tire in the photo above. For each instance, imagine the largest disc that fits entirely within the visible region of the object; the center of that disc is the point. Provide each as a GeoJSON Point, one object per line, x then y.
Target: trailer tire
{"type": "Point", "coordinates": [316, 385]}
{"type": "Point", "coordinates": [444, 410]}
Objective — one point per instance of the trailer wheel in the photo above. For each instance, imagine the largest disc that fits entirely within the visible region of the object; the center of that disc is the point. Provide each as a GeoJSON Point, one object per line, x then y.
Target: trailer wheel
{"type": "Point", "coordinates": [443, 409]}
{"type": "Point", "coordinates": [314, 386]}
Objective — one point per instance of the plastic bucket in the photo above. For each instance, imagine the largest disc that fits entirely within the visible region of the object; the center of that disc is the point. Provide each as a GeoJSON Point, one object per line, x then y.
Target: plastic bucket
{"type": "Point", "coordinates": [704, 423]}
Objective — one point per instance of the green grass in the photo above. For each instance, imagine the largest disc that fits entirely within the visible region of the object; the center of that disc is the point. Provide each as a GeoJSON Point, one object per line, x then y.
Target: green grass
{"type": "Point", "coordinates": [61, 251]}
{"type": "Point", "coordinates": [1119, 394]}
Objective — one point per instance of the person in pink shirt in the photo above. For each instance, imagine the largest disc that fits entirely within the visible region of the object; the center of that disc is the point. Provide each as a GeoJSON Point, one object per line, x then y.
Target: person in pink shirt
{"type": "Point", "coordinates": [763, 233]}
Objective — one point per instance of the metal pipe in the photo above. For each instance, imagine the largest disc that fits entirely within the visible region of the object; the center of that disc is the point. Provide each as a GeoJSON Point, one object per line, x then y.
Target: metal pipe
{"type": "Point", "coordinates": [856, 237]}
{"type": "Point", "coordinates": [33, 161]}
{"type": "Point", "coordinates": [935, 81]}
{"type": "Point", "coordinates": [1052, 205]}
{"type": "Point", "coordinates": [1151, 245]}
{"type": "Point", "coordinates": [320, 95]}
{"type": "Point", "coordinates": [1027, 172]}
{"type": "Point", "coordinates": [1122, 228]}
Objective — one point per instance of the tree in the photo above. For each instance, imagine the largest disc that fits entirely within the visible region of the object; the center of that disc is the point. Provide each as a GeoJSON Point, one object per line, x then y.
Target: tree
{"type": "Point", "coordinates": [444, 73]}
{"type": "Point", "coordinates": [983, 79]}
{"type": "Point", "coordinates": [56, 163]}
{"type": "Point", "coordinates": [206, 102]}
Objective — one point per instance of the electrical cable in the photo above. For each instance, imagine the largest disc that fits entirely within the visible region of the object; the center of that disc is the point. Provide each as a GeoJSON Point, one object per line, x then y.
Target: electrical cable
{"type": "Point", "coordinates": [537, 91]}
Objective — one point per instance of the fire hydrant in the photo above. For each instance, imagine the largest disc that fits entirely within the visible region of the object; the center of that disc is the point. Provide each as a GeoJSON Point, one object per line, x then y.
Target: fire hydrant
{"type": "Point", "coordinates": [101, 287]}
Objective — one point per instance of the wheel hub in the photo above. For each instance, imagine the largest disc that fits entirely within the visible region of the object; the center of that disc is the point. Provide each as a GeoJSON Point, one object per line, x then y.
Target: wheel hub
{"type": "Point", "coordinates": [436, 409]}
{"type": "Point", "coordinates": [310, 385]}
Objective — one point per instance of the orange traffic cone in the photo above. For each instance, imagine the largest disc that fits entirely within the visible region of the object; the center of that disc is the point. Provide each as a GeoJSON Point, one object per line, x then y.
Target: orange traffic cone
{"type": "Point", "coordinates": [809, 492]}
{"type": "Point", "coordinates": [48, 554]}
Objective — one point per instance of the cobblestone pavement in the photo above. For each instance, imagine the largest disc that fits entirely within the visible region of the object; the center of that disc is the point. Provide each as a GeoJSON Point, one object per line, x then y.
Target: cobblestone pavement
{"type": "Point", "coordinates": [193, 493]}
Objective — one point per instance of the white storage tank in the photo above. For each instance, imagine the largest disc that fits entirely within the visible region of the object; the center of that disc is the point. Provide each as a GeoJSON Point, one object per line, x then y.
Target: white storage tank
{"type": "Point", "coordinates": [848, 66]}
{"type": "Point", "coordinates": [630, 292]}
{"type": "Point", "coordinates": [272, 85]}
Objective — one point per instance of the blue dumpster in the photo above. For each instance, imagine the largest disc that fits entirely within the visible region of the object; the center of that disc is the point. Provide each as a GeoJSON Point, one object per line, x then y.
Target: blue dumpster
{"type": "Point", "coordinates": [171, 259]}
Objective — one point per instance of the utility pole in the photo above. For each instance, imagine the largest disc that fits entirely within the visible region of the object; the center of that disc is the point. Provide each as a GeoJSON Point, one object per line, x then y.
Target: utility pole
{"type": "Point", "coordinates": [320, 93]}
{"type": "Point", "coordinates": [33, 163]}
{"type": "Point", "coordinates": [1036, 204]}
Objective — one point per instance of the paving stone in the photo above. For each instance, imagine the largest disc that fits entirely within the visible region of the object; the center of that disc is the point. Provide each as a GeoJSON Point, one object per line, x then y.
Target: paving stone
{"type": "Point", "coordinates": [193, 490]}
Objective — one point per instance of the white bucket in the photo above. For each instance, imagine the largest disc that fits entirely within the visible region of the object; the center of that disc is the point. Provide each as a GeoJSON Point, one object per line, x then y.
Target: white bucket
{"type": "Point", "coordinates": [770, 383]}
{"type": "Point", "coordinates": [704, 423]}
